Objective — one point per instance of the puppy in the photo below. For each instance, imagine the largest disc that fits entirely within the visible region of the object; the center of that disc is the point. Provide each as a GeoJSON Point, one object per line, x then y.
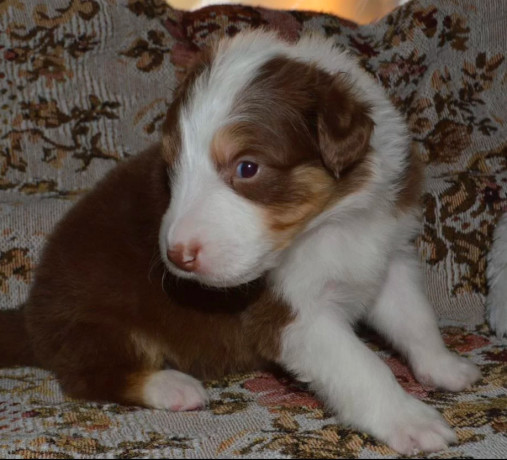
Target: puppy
{"type": "Point", "coordinates": [276, 213]}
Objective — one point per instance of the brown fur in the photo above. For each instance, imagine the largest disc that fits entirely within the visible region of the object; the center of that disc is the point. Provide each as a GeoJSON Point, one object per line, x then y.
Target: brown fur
{"type": "Point", "coordinates": [344, 127]}
{"type": "Point", "coordinates": [103, 315]}
{"type": "Point", "coordinates": [15, 346]}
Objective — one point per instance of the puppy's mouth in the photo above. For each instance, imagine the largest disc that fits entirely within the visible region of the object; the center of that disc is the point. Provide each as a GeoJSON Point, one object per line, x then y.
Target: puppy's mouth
{"type": "Point", "coordinates": [216, 280]}
{"type": "Point", "coordinates": [191, 268]}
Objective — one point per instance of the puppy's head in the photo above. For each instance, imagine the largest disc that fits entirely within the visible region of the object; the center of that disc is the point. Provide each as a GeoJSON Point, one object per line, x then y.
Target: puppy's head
{"type": "Point", "coordinates": [257, 144]}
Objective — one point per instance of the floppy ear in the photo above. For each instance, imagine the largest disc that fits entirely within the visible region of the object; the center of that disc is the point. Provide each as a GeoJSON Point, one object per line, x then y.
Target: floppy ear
{"type": "Point", "coordinates": [344, 127]}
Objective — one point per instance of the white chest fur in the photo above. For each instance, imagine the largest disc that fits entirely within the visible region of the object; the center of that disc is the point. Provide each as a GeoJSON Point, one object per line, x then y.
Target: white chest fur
{"type": "Point", "coordinates": [339, 265]}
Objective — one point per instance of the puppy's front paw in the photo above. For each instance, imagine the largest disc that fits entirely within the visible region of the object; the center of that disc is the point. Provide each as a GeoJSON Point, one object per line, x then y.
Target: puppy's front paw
{"type": "Point", "coordinates": [173, 390]}
{"type": "Point", "coordinates": [447, 371]}
{"type": "Point", "coordinates": [419, 428]}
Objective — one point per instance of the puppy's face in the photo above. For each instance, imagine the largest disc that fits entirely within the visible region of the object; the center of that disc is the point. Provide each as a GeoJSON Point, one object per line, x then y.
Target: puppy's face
{"type": "Point", "coordinates": [257, 146]}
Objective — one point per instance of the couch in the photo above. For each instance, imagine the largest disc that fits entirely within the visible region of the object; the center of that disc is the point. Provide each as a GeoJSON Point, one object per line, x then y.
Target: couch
{"type": "Point", "coordinates": [85, 84]}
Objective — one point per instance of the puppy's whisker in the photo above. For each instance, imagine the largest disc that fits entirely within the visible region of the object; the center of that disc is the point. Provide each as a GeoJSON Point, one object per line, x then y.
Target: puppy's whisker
{"type": "Point", "coordinates": [164, 274]}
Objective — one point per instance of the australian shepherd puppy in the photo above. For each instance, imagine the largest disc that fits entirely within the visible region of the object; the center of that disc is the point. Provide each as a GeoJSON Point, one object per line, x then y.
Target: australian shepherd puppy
{"type": "Point", "coordinates": [276, 213]}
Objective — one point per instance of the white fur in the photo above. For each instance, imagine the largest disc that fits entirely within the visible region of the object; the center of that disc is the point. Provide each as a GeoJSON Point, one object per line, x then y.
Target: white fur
{"type": "Point", "coordinates": [357, 384]}
{"type": "Point", "coordinates": [367, 275]}
{"type": "Point", "coordinates": [496, 301]}
{"type": "Point", "coordinates": [403, 314]}
{"type": "Point", "coordinates": [352, 262]}
{"type": "Point", "coordinates": [230, 231]}
{"type": "Point", "coordinates": [173, 390]}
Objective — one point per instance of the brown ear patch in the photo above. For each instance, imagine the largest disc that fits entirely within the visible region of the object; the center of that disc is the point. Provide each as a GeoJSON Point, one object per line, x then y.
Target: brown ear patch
{"type": "Point", "coordinates": [344, 127]}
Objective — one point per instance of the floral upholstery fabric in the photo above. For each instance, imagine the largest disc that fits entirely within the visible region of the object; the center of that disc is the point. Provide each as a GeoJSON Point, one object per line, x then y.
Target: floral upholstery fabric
{"type": "Point", "coordinates": [85, 84]}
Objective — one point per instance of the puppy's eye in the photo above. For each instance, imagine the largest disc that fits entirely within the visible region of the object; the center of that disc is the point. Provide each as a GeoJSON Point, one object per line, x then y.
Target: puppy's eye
{"type": "Point", "coordinates": [247, 169]}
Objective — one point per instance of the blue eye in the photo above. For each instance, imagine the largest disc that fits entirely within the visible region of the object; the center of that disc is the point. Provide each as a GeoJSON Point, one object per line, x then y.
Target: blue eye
{"type": "Point", "coordinates": [247, 169]}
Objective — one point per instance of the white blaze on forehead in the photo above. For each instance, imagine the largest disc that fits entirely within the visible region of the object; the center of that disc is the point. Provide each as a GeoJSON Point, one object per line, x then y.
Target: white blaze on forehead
{"type": "Point", "coordinates": [235, 64]}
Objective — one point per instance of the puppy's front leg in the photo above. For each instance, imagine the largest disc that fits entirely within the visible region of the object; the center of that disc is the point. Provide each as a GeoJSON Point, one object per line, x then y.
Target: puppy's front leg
{"type": "Point", "coordinates": [404, 316]}
{"type": "Point", "coordinates": [358, 385]}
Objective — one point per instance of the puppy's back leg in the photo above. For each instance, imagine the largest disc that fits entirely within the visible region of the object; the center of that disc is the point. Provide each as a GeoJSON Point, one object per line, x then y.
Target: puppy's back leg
{"type": "Point", "coordinates": [101, 363]}
{"type": "Point", "coordinates": [156, 389]}
{"type": "Point", "coordinates": [170, 389]}
{"type": "Point", "coordinates": [404, 316]}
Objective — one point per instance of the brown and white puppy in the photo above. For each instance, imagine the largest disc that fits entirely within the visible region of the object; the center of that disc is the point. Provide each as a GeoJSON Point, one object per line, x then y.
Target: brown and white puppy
{"type": "Point", "coordinates": [285, 180]}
